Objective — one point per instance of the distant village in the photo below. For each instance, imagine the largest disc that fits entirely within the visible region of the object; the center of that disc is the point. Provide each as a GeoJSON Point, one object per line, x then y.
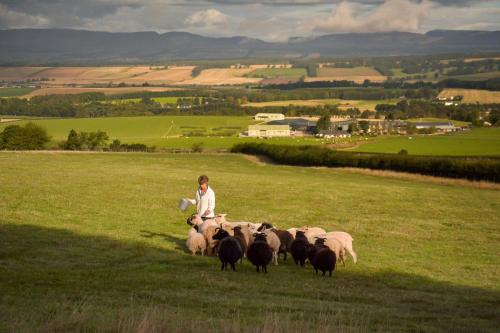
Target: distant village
{"type": "Point", "coordinates": [277, 125]}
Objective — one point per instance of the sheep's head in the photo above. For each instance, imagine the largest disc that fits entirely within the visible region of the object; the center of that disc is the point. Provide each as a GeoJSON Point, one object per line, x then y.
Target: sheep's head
{"type": "Point", "coordinates": [300, 234]}
{"type": "Point", "coordinates": [260, 236]}
{"type": "Point", "coordinates": [195, 220]}
{"type": "Point", "coordinates": [220, 218]}
{"type": "Point", "coordinates": [220, 234]}
{"type": "Point", "coordinates": [304, 228]}
{"type": "Point", "coordinates": [320, 241]}
{"type": "Point", "coordinates": [265, 226]}
{"type": "Point", "coordinates": [237, 229]}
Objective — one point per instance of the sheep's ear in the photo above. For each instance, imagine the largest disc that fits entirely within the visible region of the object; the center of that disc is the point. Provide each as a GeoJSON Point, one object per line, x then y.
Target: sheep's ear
{"type": "Point", "coordinates": [217, 229]}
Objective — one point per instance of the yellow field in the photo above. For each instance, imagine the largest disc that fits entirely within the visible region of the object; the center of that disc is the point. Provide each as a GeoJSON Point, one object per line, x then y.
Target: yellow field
{"type": "Point", "coordinates": [480, 59]}
{"type": "Point", "coordinates": [473, 95]}
{"type": "Point", "coordinates": [106, 91]}
{"type": "Point", "coordinates": [356, 74]}
{"type": "Point", "coordinates": [341, 104]}
{"type": "Point", "coordinates": [89, 75]}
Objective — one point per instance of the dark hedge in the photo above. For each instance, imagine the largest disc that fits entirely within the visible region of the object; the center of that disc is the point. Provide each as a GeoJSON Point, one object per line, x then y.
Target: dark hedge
{"type": "Point", "coordinates": [473, 168]}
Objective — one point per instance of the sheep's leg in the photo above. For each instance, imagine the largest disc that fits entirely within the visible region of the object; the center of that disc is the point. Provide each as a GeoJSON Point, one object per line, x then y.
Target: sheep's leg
{"type": "Point", "coordinates": [285, 256]}
{"type": "Point", "coordinates": [233, 267]}
{"type": "Point", "coordinates": [275, 258]}
{"type": "Point", "coordinates": [330, 273]}
{"type": "Point", "coordinates": [258, 269]}
{"type": "Point", "coordinates": [316, 271]}
{"type": "Point", "coordinates": [265, 268]}
{"type": "Point", "coordinates": [352, 253]}
{"type": "Point", "coordinates": [222, 267]}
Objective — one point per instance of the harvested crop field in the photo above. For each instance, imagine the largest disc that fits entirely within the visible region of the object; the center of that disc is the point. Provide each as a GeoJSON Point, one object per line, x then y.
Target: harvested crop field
{"type": "Point", "coordinates": [106, 91]}
{"type": "Point", "coordinates": [473, 95]}
{"type": "Point", "coordinates": [89, 75]}
{"type": "Point", "coordinates": [341, 104]}
{"type": "Point", "coordinates": [219, 76]}
{"type": "Point", "coordinates": [356, 74]}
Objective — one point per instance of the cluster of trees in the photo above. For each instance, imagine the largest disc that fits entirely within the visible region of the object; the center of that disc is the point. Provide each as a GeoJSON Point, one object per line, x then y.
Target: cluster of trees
{"type": "Point", "coordinates": [116, 145]}
{"type": "Point", "coordinates": [98, 141]}
{"type": "Point", "coordinates": [454, 167]}
{"type": "Point", "coordinates": [85, 140]}
{"type": "Point", "coordinates": [474, 113]}
{"type": "Point", "coordinates": [460, 67]}
{"type": "Point", "coordinates": [28, 137]}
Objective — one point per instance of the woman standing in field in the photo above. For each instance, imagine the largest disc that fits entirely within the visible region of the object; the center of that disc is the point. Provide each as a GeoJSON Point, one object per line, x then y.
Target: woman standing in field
{"type": "Point", "coordinates": [204, 199]}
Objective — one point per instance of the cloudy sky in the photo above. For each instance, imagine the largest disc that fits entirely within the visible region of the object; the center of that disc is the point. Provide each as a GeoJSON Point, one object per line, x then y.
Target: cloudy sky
{"type": "Point", "coordinates": [265, 19]}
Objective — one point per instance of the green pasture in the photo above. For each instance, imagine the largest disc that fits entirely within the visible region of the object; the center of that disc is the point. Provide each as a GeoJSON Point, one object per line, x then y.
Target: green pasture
{"type": "Point", "coordinates": [95, 242]}
{"type": "Point", "coordinates": [15, 92]}
{"type": "Point", "coordinates": [439, 120]}
{"type": "Point", "coordinates": [277, 72]}
{"type": "Point", "coordinates": [476, 142]}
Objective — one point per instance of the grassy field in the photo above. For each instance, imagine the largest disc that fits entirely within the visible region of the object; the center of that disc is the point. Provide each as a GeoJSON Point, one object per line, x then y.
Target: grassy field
{"type": "Point", "coordinates": [277, 72]}
{"type": "Point", "coordinates": [439, 120]}
{"type": "Point", "coordinates": [15, 92]}
{"type": "Point", "coordinates": [165, 131]}
{"type": "Point", "coordinates": [484, 141]}
{"type": "Point", "coordinates": [94, 242]}
{"type": "Point", "coordinates": [161, 131]}
{"type": "Point", "coordinates": [477, 76]}
{"type": "Point", "coordinates": [473, 95]}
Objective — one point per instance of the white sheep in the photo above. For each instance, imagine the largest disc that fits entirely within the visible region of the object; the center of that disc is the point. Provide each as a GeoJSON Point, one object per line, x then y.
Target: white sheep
{"type": "Point", "coordinates": [312, 232]}
{"type": "Point", "coordinates": [274, 243]}
{"type": "Point", "coordinates": [346, 240]}
{"type": "Point", "coordinates": [196, 241]}
{"type": "Point", "coordinates": [293, 231]}
{"type": "Point", "coordinates": [203, 225]}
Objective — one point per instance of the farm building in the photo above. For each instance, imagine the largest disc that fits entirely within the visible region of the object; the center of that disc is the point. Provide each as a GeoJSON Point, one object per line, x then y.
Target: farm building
{"type": "Point", "coordinates": [269, 116]}
{"type": "Point", "coordinates": [298, 126]}
{"type": "Point", "coordinates": [268, 131]}
{"type": "Point", "coordinates": [441, 127]}
{"type": "Point", "coordinates": [386, 126]}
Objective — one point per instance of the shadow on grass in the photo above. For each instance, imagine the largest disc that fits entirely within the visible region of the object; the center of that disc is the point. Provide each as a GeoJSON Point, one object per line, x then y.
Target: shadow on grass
{"type": "Point", "coordinates": [57, 280]}
{"type": "Point", "coordinates": [180, 243]}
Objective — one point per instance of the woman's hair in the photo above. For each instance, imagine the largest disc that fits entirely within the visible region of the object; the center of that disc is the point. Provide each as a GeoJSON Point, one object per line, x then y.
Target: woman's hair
{"type": "Point", "coordinates": [202, 179]}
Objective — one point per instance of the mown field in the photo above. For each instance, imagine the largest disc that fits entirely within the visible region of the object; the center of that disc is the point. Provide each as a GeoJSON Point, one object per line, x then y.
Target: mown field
{"type": "Point", "coordinates": [473, 95]}
{"type": "Point", "coordinates": [477, 142]}
{"type": "Point", "coordinates": [94, 242]}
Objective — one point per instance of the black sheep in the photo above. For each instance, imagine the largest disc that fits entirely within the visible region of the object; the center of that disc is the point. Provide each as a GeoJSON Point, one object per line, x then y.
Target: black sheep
{"type": "Point", "coordinates": [300, 248]}
{"type": "Point", "coordinates": [322, 258]}
{"type": "Point", "coordinates": [286, 238]}
{"type": "Point", "coordinates": [229, 249]}
{"type": "Point", "coordinates": [241, 239]}
{"type": "Point", "coordinates": [259, 252]}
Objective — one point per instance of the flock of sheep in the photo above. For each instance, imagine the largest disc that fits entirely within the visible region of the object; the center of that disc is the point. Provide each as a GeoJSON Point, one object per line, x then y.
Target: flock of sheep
{"type": "Point", "coordinates": [262, 243]}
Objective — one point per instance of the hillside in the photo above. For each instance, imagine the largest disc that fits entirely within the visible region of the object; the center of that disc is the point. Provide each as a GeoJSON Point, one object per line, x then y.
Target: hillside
{"type": "Point", "coordinates": [65, 46]}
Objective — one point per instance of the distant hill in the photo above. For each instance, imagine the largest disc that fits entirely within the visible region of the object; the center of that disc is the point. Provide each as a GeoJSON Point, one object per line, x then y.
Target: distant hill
{"type": "Point", "coordinates": [65, 46]}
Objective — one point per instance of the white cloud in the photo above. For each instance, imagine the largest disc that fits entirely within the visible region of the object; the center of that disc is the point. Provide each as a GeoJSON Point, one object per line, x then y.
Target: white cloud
{"type": "Point", "coordinates": [209, 17]}
{"type": "Point", "coordinates": [400, 15]}
{"type": "Point", "coordinates": [14, 19]}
